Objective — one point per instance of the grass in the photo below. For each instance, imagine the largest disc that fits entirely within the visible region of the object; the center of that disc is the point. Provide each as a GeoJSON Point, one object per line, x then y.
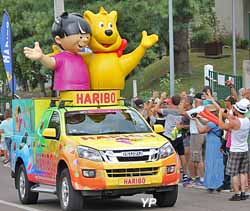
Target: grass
{"type": "Point", "coordinates": [149, 78]}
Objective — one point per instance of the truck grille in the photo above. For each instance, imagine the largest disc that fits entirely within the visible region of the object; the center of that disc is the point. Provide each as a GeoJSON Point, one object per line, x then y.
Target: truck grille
{"type": "Point", "coordinates": [132, 172]}
{"type": "Point", "coordinates": [131, 155]}
{"type": "Point", "coordinates": [129, 159]}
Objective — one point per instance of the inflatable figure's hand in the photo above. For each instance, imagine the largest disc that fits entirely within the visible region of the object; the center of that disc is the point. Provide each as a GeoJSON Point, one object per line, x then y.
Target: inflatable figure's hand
{"type": "Point", "coordinates": [35, 53]}
{"type": "Point", "coordinates": [148, 41]}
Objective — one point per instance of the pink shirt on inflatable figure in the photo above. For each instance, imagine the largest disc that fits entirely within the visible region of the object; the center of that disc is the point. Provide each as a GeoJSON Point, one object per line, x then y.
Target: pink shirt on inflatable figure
{"type": "Point", "coordinates": [71, 33]}
{"type": "Point", "coordinates": [66, 64]}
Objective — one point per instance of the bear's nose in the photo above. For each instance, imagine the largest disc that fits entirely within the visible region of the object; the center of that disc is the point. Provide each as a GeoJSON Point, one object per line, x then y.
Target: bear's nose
{"type": "Point", "coordinates": [108, 32]}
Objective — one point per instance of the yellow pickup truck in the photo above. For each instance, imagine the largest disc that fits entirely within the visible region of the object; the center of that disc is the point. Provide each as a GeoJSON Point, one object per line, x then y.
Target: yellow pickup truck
{"type": "Point", "coordinates": [89, 144]}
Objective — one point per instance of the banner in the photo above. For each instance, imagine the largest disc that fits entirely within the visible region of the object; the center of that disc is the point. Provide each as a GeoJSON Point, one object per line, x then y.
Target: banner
{"type": "Point", "coordinates": [6, 50]}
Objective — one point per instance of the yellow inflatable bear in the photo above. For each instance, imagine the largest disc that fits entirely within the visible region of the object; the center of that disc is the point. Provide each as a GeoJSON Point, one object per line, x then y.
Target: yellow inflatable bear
{"type": "Point", "coordinates": [107, 66]}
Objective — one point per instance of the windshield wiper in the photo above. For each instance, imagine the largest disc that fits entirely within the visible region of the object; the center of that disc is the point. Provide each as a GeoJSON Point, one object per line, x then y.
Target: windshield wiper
{"type": "Point", "coordinates": [118, 132]}
{"type": "Point", "coordinates": [79, 134]}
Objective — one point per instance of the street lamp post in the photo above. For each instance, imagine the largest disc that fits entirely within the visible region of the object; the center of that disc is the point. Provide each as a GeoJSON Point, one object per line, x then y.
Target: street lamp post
{"type": "Point", "coordinates": [58, 7]}
{"type": "Point", "coordinates": [234, 36]}
{"type": "Point", "coordinates": [249, 33]}
{"type": "Point", "coordinates": [58, 10]}
{"type": "Point", "coordinates": [171, 46]}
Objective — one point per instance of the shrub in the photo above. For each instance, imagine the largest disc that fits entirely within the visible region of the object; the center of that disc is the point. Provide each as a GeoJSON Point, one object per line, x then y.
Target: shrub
{"type": "Point", "coordinates": [227, 39]}
{"type": "Point", "coordinates": [165, 84]}
{"type": "Point", "coordinates": [199, 38]}
{"type": "Point", "coordinates": [244, 44]}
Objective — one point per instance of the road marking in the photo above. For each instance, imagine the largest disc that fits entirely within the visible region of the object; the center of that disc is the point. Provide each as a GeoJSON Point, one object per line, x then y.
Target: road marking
{"type": "Point", "coordinates": [18, 206]}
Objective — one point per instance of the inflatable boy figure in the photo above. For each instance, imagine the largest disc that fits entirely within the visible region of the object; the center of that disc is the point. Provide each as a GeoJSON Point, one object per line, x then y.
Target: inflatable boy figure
{"type": "Point", "coordinates": [71, 33]}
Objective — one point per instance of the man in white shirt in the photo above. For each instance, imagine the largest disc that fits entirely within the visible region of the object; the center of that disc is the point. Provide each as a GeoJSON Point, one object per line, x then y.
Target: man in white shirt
{"type": "Point", "coordinates": [238, 161]}
{"type": "Point", "coordinates": [196, 142]}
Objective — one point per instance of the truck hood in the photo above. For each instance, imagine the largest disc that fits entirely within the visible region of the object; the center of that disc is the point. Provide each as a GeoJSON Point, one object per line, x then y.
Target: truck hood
{"type": "Point", "coordinates": [120, 141]}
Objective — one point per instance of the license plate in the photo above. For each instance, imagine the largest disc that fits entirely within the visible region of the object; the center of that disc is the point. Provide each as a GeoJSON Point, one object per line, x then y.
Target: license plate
{"type": "Point", "coordinates": [132, 154]}
{"type": "Point", "coordinates": [134, 181]}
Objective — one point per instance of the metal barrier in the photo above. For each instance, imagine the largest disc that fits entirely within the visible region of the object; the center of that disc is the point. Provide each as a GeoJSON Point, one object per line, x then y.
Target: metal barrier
{"type": "Point", "coordinates": [217, 83]}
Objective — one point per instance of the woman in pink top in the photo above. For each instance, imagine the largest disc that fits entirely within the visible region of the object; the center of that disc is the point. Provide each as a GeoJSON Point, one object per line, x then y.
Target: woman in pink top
{"type": "Point", "coordinates": [71, 33]}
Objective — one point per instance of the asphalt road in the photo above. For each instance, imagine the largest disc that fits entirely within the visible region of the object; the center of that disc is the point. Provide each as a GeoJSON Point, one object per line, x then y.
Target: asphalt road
{"type": "Point", "coordinates": [190, 199]}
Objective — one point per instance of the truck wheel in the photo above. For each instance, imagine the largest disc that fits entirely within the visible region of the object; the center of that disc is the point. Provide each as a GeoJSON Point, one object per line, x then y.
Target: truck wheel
{"type": "Point", "coordinates": [167, 198]}
{"type": "Point", "coordinates": [70, 199]}
{"type": "Point", "coordinates": [26, 196]}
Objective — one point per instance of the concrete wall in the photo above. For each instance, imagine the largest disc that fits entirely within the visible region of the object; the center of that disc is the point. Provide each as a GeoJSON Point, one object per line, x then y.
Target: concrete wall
{"type": "Point", "coordinates": [246, 73]}
{"type": "Point", "coordinates": [223, 10]}
{"type": "Point", "coordinates": [246, 18]}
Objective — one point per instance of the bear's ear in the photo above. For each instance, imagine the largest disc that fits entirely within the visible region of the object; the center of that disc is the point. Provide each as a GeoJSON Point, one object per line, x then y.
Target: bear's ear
{"type": "Point", "coordinates": [113, 14]}
{"type": "Point", "coordinates": [88, 15]}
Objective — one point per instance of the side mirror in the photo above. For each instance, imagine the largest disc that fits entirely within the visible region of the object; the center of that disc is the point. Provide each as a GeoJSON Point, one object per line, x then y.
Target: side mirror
{"type": "Point", "coordinates": [49, 133]}
{"type": "Point", "coordinates": [158, 128]}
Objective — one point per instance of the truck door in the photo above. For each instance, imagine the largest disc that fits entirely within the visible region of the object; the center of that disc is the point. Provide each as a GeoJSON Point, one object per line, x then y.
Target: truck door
{"type": "Point", "coordinates": [49, 148]}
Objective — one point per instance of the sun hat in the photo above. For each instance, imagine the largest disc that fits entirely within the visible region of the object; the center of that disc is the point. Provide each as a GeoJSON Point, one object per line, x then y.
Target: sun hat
{"type": "Point", "coordinates": [242, 106]}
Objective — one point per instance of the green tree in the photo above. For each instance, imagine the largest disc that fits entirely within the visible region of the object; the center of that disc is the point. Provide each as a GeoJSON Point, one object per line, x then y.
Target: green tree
{"type": "Point", "coordinates": [184, 13]}
{"type": "Point", "coordinates": [31, 21]}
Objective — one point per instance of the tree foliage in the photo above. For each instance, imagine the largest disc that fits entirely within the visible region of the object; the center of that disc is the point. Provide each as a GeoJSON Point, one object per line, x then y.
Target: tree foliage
{"type": "Point", "coordinates": [32, 21]}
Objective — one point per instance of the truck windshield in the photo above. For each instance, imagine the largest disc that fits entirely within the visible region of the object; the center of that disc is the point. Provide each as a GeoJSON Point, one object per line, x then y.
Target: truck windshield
{"type": "Point", "coordinates": [93, 122]}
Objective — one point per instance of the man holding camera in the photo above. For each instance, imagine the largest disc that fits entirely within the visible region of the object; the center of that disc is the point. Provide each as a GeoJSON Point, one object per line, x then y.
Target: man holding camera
{"type": "Point", "coordinates": [196, 142]}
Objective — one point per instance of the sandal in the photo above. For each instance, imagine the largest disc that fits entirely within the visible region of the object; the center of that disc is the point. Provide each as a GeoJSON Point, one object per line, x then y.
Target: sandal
{"type": "Point", "coordinates": [5, 161]}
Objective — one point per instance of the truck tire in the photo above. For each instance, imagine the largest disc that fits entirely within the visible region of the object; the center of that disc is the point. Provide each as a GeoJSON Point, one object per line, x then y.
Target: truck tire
{"type": "Point", "coordinates": [167, 198]}
{"type": "Point", "coordinates": [26, 196]}
{"type": "Point", "coordinates": [69, 198]}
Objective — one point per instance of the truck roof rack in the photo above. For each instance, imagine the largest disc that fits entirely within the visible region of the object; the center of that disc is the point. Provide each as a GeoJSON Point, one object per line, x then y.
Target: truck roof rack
{"type": "Point", "coordinates": [53, 102]}
{"type": "Point", "coordinates": [62, 103]}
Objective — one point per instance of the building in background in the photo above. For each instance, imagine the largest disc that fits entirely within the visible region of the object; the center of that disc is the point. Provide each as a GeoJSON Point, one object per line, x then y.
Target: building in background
{"type": "Point", "coordinates": [223, 9]}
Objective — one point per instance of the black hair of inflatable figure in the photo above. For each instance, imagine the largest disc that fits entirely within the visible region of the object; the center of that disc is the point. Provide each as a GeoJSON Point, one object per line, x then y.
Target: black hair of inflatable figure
{"type": "Point", "coordinates": [69, 24]}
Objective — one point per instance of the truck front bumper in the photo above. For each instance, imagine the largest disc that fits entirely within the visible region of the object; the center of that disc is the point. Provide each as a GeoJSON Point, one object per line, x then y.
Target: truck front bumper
{"type": "Point", "coordinates": [126, 192]}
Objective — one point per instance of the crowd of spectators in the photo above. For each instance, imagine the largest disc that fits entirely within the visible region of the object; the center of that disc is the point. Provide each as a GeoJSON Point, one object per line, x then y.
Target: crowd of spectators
{"type": "Point", "coordinates": [212, 140]}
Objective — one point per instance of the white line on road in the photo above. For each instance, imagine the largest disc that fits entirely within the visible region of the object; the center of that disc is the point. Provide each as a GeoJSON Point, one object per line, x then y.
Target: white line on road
{"type": "Point", "coordinates": [18, 206]}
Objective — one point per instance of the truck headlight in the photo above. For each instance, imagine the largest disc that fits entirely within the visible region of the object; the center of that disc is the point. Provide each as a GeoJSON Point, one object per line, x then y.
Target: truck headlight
{"type": "Point", "coordinates": [166, 150]}
{"type": "Point", "coordinates": [89, 153]}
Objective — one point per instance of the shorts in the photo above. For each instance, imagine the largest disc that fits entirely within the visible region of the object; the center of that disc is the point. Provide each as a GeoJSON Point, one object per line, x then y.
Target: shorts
{"type": "Point", "coordinates": [178, 145]}
{"type": "Point", "coordinates": [7, 141]}
{"type": "Point", "coordinates": [196, 143]}
{"type": "Point", "coordinates": [238, 163]}
{"type": "Point", "coordinates": [3, 146]}
{"type": "Point", "coordinates": [186, 141]}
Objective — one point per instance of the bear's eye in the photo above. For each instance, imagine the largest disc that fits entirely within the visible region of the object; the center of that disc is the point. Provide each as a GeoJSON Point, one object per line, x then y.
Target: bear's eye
{"type": "Point", "coordinates": [110, 25]}
{"type": "Point", "coordinates": [101, 24]}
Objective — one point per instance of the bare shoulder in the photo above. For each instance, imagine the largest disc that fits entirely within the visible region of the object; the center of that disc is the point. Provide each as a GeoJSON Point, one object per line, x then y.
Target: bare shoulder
{"type": "Point", "coordinates": [235, 123]}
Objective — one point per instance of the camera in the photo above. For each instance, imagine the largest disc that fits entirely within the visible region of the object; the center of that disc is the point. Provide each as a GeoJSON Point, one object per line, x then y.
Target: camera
{"type": "Point", "coordinates": [194, 115]}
